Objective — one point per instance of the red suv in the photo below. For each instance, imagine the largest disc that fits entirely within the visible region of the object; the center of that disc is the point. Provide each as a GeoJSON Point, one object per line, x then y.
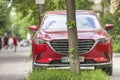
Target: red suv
{"type": "Point", "coordinates": [50, 43]}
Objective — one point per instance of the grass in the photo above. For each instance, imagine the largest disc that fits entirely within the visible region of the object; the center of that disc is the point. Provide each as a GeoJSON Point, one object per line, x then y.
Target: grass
{"type": "Point", "coordinates": [52, 74]}
{"type": "Point", "coordinates": [30, 55]}
{"type": "Point", "coordinates": [116, 47]}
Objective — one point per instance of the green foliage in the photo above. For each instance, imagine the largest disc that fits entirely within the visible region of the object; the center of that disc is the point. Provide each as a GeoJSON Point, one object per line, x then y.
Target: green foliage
{"type": "Point", "coordinates": [67, 75]}
{"type": "Point", "coordinates": [71, 53]}
{"type": "Point", "coordinates": [4, 20]}
{"type": "Point", "coordinates": [54, 5]}
{"type": "Point", "coordinates": [83, 5]}
{"type": "Point", "coordinates": [72, 50]}
{"type": "Point", "coordinates": [19, 26]}
{"type": "Point", "coordinates": [113, 19]}
{"type": "Point", "coordinates": [71, 24]}
{"type": "Point", "coordinates": [4, 17]}
{"type": "Point", "coordinates": [27, 13]}
{"type": "Point", "coordinates": [116, 46]}
{"type": "Point", "coordinates": [30, 56]}
{"type": "Point", "coordinates": [109, 18]}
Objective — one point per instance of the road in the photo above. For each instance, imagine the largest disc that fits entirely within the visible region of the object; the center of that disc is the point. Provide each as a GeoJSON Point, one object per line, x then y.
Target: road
{"type": "Point", "coordinates": [116, 67]}
{"type": "Point", "coordinates": [17, 65]}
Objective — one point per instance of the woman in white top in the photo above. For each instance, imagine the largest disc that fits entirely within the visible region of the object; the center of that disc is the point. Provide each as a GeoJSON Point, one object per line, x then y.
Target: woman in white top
{"type": "Point", "coordinates": [10, 42]}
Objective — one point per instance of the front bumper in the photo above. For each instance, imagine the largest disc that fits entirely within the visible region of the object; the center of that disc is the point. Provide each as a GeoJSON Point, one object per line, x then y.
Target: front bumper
{"type": "Point", "coordinates": [107, 64]}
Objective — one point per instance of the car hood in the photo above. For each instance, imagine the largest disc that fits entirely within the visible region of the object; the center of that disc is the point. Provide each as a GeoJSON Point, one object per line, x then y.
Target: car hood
{"type": "Point", "coordinates": [93, 34]}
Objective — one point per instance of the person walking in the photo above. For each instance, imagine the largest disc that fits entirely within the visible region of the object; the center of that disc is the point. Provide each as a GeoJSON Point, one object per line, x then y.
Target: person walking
{"type": "Point", "coordinates": [6, 38]}
{"type": "Point", "coordinates": [10, 42]}
{"type": "Point", "coordinates": [0, 42]}
{"type": "Point", "coordinates": [15, 42]}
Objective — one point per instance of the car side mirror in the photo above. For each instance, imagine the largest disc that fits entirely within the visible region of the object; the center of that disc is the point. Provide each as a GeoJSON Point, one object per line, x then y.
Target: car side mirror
{"type": "Point", "coordinates": [33, 28]}
{"type": "Point", "coordinates": [109, 26]}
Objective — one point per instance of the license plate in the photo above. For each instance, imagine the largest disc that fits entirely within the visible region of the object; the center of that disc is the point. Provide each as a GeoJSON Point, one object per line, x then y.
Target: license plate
{"type": "Point", "coordinates": [67, 59]}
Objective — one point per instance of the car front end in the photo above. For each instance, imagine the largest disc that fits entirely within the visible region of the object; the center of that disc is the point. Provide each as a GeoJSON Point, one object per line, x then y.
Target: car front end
{"type": "Point", "coordinates": [50, 43]}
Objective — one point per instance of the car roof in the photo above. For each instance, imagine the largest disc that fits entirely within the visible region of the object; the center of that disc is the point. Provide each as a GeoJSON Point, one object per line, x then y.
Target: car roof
{"type": "Point", "coordinates": [77, 11]}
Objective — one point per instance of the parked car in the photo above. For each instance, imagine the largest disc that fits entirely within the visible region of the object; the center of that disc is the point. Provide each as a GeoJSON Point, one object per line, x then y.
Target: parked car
{"type": "Point", "coordinates": [50, 42]}
{"type": "Point", "coordinates": [23, 43]}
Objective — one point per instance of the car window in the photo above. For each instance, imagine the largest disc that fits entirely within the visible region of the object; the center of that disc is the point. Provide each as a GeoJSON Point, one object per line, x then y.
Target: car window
{"type": "Point", "coordinates": [87, 22]}
{"type": "Point", "coordinates": [58, 22]}
{"type": "Point", "coordinates": [55, 22]}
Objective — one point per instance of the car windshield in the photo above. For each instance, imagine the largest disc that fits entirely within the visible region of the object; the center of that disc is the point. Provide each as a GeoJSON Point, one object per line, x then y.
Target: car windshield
{"type": "Point", "coordinates": [58, 22]}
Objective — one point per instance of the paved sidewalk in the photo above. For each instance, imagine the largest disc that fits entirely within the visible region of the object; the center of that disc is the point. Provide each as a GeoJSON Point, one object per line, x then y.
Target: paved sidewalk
{"type": "Point", "coordinates": [116, 67]}
{"type": "Point", "coordinates": [15, 65]}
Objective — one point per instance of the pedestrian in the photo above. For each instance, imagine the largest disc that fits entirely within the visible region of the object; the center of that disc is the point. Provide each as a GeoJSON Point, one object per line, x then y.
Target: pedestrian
{"type": "Point", "coordinates": [6, 38]}
{"type": "Point", "coordinates": [28, 39]}
{"type": "Point", "coordinates": [0, 42]}
{"type": "Point", "coordinates": [10, 42]}
{"type": "Point", "coordinates": [15, 42]}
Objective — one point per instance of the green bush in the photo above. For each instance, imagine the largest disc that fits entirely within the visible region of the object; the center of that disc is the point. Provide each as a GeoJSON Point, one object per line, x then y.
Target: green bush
{"type": "Point", "coordinates": [113, 19]}
{"type": "Point", "coordinates": [116, 46]}
{"type": "Point", "coordinates": [67, 75]}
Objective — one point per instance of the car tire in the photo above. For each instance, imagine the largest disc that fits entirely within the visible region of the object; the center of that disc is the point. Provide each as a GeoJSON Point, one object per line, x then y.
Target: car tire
{"type": "Point", "coordinates": [108, 70]}
{"type": "Point", "coordinates": [36, 67]}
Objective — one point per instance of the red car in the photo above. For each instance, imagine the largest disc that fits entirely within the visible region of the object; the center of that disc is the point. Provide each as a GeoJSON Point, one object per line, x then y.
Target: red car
{"type": "Point", "coordinates": [50, 43]}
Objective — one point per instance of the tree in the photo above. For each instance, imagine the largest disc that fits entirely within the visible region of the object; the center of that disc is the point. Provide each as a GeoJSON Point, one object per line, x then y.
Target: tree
{"type": "Point", "coordinates": [114, 5]}
{"type": "Point", "coordinates": [4, 17]}
{"type": "Point", "coordinates": [72, 37]}
{"type": "Point", "coordinates": [83, 4]}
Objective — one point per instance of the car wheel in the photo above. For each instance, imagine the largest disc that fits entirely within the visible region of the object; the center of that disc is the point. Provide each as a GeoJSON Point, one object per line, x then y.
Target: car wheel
{"type": "Point", "coordinates": [33, 66]}
{"type": "Point", "coordinates": [37, 67]}
{"type": "Point", "coordinates": [108, 70]}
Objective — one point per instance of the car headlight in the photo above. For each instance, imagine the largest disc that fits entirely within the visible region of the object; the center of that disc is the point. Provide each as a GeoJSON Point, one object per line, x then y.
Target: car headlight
{"type": "Point", "coordinates": [39, 41]}
{"type": "Point", "coordinates": [103, 40]}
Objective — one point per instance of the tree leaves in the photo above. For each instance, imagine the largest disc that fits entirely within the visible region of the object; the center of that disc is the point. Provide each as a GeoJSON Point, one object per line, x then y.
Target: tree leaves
{"type": "Point", "coordinates": [4, 17]}
{"type": "Point", "coordinates": [71, 24]}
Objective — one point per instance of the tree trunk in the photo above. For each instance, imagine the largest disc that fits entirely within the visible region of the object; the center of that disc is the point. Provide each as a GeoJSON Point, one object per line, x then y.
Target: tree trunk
{"type": "Point", "coordinates": [114, 5]}
{"type": "Point", "coordinates": [72, 37]}
{"type": "Point", "coordinates": [41, 10]}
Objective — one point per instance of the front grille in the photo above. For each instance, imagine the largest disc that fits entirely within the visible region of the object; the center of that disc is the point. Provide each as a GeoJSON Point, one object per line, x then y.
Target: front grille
{"type": "Point", "coordinates": [61, 46]}
{"type": "Point", "coordinates": [85, 62]}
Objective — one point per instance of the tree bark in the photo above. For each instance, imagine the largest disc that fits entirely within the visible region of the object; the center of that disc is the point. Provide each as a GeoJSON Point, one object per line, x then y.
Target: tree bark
{"type": "Point", "coordinates": [72, 37]}
{"type": "Point", "coordinates": [41, 10]}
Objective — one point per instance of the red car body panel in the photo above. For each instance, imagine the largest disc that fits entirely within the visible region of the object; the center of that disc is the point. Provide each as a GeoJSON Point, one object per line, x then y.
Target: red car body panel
{"type": "Point", "coordinates": [45, 53]}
